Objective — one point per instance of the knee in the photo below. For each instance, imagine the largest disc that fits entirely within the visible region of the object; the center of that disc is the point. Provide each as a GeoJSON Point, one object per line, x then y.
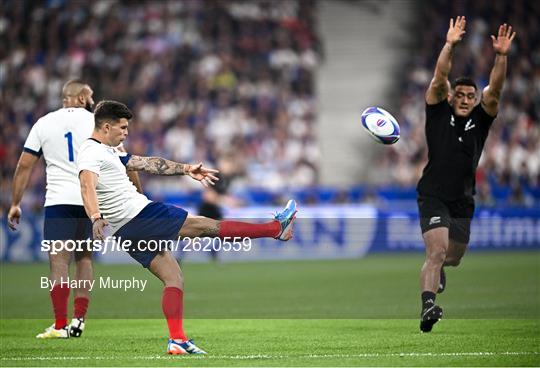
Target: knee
{"type": "Point", "coordinates": [174, 281]}
{"type": "Point", "coordinates": [84, 262]}
{"type": "Point", "coordinates": [59, 265]}
{"type": "Point", "coordinates": [59, 271]}
{"type": "Point", "coordinates": [199, 226]}
{"type": "Point", "coordinates": [452, 261]}
{"type": "Point", "coordinates": [436, 256]}
{"type": "Point", "coordinates": [189, 230]}
{"type": "Point", "coordinates": [173, 278]}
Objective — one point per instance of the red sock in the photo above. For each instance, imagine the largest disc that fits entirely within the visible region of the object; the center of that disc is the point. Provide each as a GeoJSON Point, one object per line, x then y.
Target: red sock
{"type": "Point", "coordinates": [172, 304]}
{"type": "Point", "coordinates": [233, 229]}
{"type": "Point", "coordinates": [80, 306]}
{"type": "Point", "coordinates": [59, 297]}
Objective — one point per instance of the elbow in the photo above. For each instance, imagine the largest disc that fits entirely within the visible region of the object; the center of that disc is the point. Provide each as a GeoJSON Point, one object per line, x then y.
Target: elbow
{"type": "Point", "coordinates": [491, 96]}
{"type": "Point", "coordinates": [24, 166]}
{"type": "Point", "coordinates": [440, 83]}
{"type": "Point", "coordinates": [84, 190]}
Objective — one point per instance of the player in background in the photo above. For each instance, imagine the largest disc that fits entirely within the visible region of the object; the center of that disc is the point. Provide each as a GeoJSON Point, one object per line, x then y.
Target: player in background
{"type": "Point", "coordinates": [110, 200]}
{"type": "Point", "coordinates": [456, 130]}
{"type": "Point", "coordinates": [214, 197]}
{"type": "Point", "coordinates": [57, 137]}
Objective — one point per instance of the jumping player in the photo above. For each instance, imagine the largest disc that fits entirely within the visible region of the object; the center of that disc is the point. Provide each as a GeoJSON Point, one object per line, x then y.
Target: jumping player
{"type": "Point", "coordinates": [456, 130]}
{"type": "Point", "coordinates": [110, 200]}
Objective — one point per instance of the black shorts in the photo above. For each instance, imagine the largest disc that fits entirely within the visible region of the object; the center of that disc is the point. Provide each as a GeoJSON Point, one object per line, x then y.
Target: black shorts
{"type": "Point", "coordinates": [455, 215]}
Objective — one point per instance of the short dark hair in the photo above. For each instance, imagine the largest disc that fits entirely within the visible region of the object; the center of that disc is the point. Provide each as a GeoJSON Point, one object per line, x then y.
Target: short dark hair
{"type": "Point", "coordinates": [463, 81]}
{"type": "Point", "coordinates": [110, 111]}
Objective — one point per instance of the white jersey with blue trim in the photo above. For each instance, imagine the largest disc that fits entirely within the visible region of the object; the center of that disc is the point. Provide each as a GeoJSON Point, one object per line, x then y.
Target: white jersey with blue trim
{"type": "Point", "coordinates": [57, 136]}
{"type": "Point", "coordinates": [118, 198]}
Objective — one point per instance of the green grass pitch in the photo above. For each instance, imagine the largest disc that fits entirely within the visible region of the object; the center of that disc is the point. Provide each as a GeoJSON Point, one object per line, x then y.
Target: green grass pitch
{"type": "Point", "coordinates": [296, 313]}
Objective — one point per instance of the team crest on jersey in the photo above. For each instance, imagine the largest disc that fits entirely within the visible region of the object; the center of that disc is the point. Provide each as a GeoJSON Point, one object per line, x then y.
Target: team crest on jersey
{"type": "Point", "coordinates": [469, 125]}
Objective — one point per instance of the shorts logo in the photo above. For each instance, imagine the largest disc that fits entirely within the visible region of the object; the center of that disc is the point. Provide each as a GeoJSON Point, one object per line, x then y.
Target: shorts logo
{"type": "Point", "coordinates": [435, 220]}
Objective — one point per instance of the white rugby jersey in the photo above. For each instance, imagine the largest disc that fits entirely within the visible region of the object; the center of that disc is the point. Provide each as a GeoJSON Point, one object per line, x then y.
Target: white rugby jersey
{"type": "Point", "coordinates": [118, 198]}
{"type": "Point", "coordinates": [58, 136]}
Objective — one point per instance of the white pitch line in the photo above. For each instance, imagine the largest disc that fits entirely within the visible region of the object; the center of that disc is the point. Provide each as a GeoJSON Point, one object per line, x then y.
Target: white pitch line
{"type": "Point", "coordinates": [266, 356]}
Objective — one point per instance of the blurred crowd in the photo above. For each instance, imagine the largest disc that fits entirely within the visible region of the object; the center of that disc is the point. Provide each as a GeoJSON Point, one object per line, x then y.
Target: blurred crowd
{"type": "Point", "coordinates": [204, 78]}
{"type": "Point", "coordinates": [511, 157]}
{"type": "Point", "coordinates": [211, 79]}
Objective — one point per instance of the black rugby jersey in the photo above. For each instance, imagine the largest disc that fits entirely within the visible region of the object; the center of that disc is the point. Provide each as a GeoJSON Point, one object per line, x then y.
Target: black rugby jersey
{"type": "Point", "coordinates": [454, 148]}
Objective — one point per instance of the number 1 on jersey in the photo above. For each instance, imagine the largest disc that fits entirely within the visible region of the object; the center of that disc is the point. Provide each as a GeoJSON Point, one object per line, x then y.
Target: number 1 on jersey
{"type": "Point", "coordinates": [69, 137]}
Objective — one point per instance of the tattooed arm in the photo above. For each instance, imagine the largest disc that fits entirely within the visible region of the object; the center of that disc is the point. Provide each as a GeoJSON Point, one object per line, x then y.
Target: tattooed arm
{"type": "Point", "coordinates": [161, 166]}
{"type": "Point", "coordinates": [156, 166]}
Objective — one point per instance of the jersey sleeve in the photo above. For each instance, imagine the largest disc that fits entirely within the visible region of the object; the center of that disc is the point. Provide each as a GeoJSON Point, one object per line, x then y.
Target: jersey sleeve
{"type": "Point", "coordinates": [89, 158]}
{"type": "Point", "coordinates": [33, 142]}
{"type": "Point", "coordinates": [124, 157]}
{"type": "Point", "coordinates": [123, 154]}
{"type": "Point", "coordinates": [436, 109]}
{"type": "Point", "coordinates": [484, 118]}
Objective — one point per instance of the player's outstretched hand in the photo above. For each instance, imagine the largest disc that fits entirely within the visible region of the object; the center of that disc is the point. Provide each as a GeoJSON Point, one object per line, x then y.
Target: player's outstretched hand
{"type": "Point", "coordinates": [456, 30]}
{"type": "Point", "coordinates": [204, 175]}
{"type": "Point", "coordinates": [503, 41]}
{"type": "Point", "coordinates": [98, 228]}
{"type": "Point", "coordinates": [14, 216]}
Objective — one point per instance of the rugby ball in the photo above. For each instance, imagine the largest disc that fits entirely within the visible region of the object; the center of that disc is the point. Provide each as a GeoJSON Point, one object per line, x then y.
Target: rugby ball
{"type": "Point", "coordinates": [381, 125]}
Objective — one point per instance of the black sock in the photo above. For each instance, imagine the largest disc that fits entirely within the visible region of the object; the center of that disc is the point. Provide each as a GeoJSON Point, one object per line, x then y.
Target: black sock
{"type": "Point", "coordinates": [428, 299]}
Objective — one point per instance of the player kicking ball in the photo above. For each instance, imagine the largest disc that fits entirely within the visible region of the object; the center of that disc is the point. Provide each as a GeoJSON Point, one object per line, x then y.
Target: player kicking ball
{"type": "Point", "coordinates": [111, 200]}
{"type": "Point", "coordinates": [456, 130]}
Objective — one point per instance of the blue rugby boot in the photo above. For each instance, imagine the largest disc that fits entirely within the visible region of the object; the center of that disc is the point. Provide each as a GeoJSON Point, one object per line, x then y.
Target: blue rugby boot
{"type": "Point", "coordinates": [286, 219]}
{"type": "Point", "coordinates": [181, 348]}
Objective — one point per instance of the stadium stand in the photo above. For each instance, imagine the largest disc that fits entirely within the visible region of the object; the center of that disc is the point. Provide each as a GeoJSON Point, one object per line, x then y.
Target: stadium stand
{"type": "Point", "coordinates": [204, 79]}
{"type": "Point", "coordinates": [211, 78]}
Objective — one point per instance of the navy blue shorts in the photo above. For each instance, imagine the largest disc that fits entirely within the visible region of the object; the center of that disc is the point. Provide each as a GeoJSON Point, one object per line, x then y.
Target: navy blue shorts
{"type": "Point", "coordinates": [157, 221]}
{"type": "Point", "coordinates": [64, 222]}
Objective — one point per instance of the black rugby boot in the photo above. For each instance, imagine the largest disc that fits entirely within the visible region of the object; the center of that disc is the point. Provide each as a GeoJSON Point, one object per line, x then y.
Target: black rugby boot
{"type": "Point", "coordinates": [430, 315]}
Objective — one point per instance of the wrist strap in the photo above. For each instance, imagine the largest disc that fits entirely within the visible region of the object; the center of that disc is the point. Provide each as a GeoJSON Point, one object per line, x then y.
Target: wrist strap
{"type": "Point", "coordinates": [95, 217]}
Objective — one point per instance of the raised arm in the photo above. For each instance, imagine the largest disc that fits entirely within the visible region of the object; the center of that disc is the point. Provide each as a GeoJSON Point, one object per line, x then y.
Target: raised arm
{"type": "Point", "coordinates": [439, 86]}
{"type": "Point", "coordinates": [88, 180]}
{"type": "Point", "coordinates": [24, 168]}
{"type": "Point", "coordinates": [492, 93]}
{"type": "Point", "coordinates": [161, 166]}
